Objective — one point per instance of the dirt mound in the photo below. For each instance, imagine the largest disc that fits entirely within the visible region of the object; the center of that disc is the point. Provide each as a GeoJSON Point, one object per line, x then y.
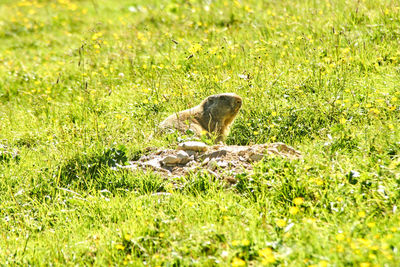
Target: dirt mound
{"type": "Point", "coordinates": [219, 160]}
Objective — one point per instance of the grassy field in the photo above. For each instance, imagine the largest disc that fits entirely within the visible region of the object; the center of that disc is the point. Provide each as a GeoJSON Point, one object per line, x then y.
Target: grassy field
{"type": "Point", "coordinates": [84, 84]}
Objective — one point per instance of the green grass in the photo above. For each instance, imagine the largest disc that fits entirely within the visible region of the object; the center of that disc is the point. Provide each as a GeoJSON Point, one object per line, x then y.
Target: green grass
{"type": "Point", "coordinates": [84, 84]}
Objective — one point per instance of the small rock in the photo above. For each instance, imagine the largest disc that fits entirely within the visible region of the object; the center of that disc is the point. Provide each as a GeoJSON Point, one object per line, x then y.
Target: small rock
{"type": "Point", "coordinates": [144, 158]}
{"type": "Point", "coordinates": [212, 164]}
{"type": "Point", "coordinates": [193, 145]}
{"type": "Point", "coordinates": [217, 147]}
{"type": "Point", "coordinates": [284, 150]}
{"type": "Point", "coordinates": [183, 157]}
{"type": "Point", "coordinates": [245, 151]}
{"type": "Point", "coordinates": [222, 164]}
{"type": "Point", "coordinates": [153, 163]}
{"type": "Point", "coordinates": [216, 154]}
{"type": "Point", "coordinates": [168, 160]}
{"type": "Point", "coordinates": [231, 180]}
{"type": "Point", "coordinates": [205, 161]}
{"type": "Point", "coordinates": [130, 167]}
{"type": "Point", "coordinates": [182, 154]}
{"type": "Point", "coordinates": [256, 157]}
{"type": "Point", "coordinates": [273, 150]}
{"type": "Point", "coordinates": [191, 153]}
{"type": "Point", "coordinates": [159, 152]}
{"type": "Point", "coordinates": [191, 163]}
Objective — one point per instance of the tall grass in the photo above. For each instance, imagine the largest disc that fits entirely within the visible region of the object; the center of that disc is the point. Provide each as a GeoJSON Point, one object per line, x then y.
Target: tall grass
{"type": "Point", "coordinates": [84, 84]}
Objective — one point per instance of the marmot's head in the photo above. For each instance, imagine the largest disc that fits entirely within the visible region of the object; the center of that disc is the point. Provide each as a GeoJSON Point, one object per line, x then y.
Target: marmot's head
{"type": "Point", "coordinates": [222, 108]}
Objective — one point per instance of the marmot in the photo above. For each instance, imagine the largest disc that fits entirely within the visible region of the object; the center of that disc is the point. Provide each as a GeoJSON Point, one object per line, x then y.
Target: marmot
{"type": "Point", "coordinates": [214, 115]}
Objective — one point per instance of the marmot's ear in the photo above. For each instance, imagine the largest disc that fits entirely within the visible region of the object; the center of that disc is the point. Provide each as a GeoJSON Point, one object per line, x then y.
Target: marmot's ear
{"type": "Point", "coordinates": [212, 98]}
{"type": "Point", "coordinates": [209, 101]}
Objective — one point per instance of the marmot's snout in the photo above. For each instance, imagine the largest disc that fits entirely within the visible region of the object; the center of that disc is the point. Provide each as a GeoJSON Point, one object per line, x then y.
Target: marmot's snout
{"type": "Point", "coordinates": [235, 102]}
{"type": "Point", "coordinates": [238, 104]}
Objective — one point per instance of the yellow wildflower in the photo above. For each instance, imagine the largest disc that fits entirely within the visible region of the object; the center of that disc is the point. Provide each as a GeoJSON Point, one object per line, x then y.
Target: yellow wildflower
{"type": "Point", "coordinates": [340, 237]}
{"type": "Point", "coordinates": [238, 262]}
{"type": "Point", "coordinates": [281, 223]}
{"type": "Point", "coordinates": [119, 247]}
{"type": "Point", "coordinates": [361, 214]}
{"type": "Point", "coordinates": [245, 242]}
{"type": "Point", "coordinates": [298, 201]}
{"type": "Point", "coordinates": [235, 243]}
{"type": "Point", "coordinates": [294, 210]}
{"type": "Point", "coordinates": [268, 260]}
{"type": "Point", "coordinates": [267, 256]}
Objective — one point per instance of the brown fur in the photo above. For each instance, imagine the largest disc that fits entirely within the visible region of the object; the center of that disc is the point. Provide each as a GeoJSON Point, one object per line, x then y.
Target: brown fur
{"type": "Point", "coordinates": [214, 115]}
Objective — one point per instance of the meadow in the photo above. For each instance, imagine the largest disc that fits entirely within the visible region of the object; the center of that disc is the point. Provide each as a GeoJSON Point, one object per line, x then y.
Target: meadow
{"type": "Point", "coordinates": [84, 84]}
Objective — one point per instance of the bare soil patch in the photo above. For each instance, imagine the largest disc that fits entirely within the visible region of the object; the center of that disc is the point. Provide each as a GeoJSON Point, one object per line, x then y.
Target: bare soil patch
{"type": "Point", "coordinates": [219, 160]}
